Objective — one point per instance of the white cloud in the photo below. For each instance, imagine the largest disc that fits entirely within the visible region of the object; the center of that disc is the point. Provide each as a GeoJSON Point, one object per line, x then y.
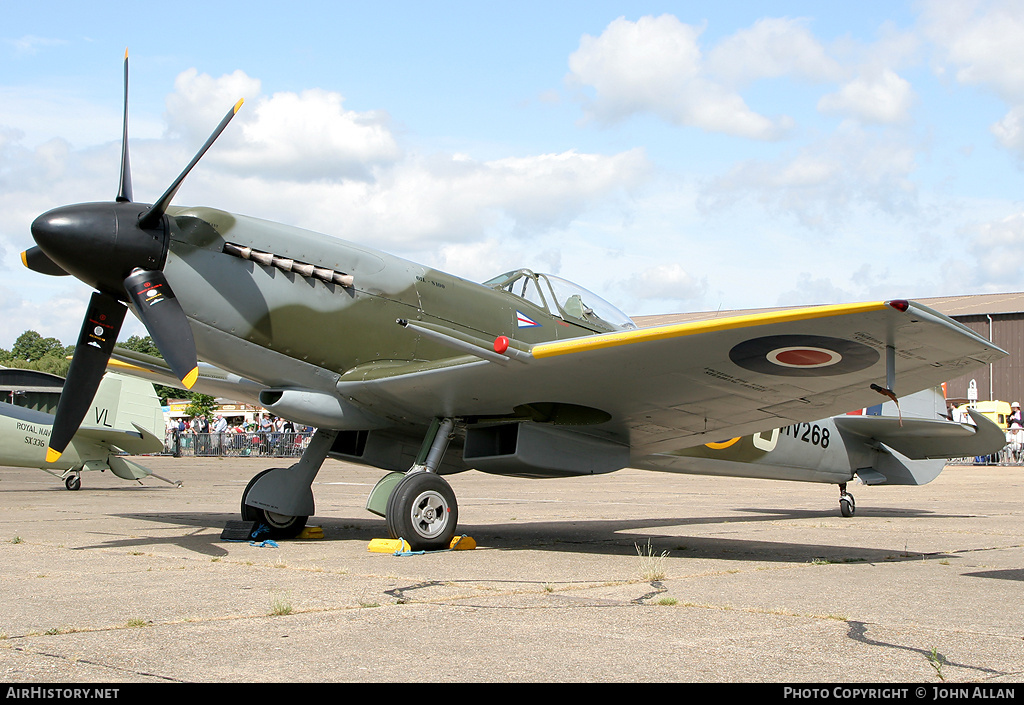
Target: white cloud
{"type": "Point", "coordinates": [427, 201]}
{"type": "Point", "coordinates": [1010, 130]}
{"type": "Point", "coordinates": [301, 136]}
{"type": "Point", "coordinates": [883, 98]}
{"type": "Point", "coordinates": [30, 44]}
{"type": "Point", "coordinates": [809, 290]}
{"type": "Point", "coordinates": [998, 251]}
{"type": "Point", "coordinates": [822, 183]}
{"type": "Point", "coordinates": [669, 282]}
{"type": "Point", "coordinates": [199, 101]}
{"type": "Point", "coordinates": [981, 42]}
{"type": "Point", "coordinates": [771, 48]}
{"type": "Point", "coordinates": [654, 65]}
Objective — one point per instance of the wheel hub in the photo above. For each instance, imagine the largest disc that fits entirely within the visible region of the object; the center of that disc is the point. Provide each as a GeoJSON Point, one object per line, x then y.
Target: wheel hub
{"type": "Point", "coordinates": [278, 520]}
{"type": "Point", "coordinates": [429, 514]}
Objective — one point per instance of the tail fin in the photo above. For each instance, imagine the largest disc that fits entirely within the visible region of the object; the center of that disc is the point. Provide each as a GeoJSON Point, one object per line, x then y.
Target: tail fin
{"type": "Point", "coordinates": [124, 402]}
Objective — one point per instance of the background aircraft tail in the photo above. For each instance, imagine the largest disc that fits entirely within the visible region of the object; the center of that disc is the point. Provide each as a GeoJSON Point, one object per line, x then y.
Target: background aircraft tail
{"type": "Point", "coordinates": [125, 415]}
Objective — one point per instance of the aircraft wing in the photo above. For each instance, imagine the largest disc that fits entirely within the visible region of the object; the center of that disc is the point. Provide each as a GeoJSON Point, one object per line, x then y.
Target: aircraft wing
{"type": "Point", "coordinates": [212, 380]}
{"type": "Point", "coordinates": [674, 386]}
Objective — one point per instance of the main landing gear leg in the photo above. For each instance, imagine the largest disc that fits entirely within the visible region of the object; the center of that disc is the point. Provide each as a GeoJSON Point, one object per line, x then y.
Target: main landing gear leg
{"type": "Point", "coordinates": [282, 498]}
{"type": "Point", "coordinates": [846, 504]}
{"type": "Point", "coordinates": [422, 508]}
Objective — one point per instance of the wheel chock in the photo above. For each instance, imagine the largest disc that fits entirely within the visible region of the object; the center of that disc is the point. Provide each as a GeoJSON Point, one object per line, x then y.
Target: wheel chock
{"type": "Point", "coordinates": [401, 546]}
{"type": "Point", "coordinates": [311, 532]}
{"type": "Point", "coordinates": [462, 543]}
{"type": "Point", "coordinates": [388, 546]}
{"type": "Point", "coordinates": [238, 531]}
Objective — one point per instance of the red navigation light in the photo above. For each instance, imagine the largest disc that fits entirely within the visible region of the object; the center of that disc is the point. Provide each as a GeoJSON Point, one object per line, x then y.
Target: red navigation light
{"type": "Point", "coordinates": [900, 305]}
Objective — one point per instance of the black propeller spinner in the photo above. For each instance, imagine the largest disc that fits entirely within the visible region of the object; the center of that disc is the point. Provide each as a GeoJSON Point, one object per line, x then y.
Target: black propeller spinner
{"type": "Point", "coordinates": [119, 248]}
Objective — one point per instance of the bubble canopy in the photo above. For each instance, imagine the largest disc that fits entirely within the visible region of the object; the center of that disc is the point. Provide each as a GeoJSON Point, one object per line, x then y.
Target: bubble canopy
{"type": "Point", "coordinates": [562, 298]}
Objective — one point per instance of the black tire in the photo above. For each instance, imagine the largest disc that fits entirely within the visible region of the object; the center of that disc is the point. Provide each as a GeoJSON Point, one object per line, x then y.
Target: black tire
{"type": "Point", "coordinates": [73, 482]}
{"type": "Point", "coordinates": [423, 511]}
{"type": "Point", "coordinates": [847, 506]}
{"type": "Point", "coordinates": [279, 526]}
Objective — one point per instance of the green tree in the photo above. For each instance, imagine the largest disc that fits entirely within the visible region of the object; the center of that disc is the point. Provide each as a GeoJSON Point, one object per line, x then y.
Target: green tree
{"type": "Point", "coordinates": [30, 346]}
{"type": "Point", "coordinates": [201, 405]}
{"type": "Point", "coordinates": [32, 351]}
{"type": "Point", "coordinates": [141, 344]}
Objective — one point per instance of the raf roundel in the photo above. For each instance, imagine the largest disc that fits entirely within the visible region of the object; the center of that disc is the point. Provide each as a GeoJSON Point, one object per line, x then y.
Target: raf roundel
{"type": "Point", "coordinates": [803, 355]}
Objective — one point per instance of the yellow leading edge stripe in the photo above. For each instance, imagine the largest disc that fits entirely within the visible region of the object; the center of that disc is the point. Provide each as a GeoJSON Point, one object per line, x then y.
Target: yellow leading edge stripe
{"type": "Point", "coordinates": [678, 330]}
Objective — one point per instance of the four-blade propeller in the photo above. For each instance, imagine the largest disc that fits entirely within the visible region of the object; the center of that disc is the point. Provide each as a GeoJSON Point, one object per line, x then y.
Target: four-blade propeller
{"type": "Point", "coordinates": [119, 248]}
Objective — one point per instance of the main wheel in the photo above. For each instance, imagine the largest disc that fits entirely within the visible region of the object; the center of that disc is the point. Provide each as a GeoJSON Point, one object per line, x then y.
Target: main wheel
{"type": "Point", "coordinates": [73, 482]}
{"type": "Point", "coordinates": [281, 526]}
{"type": "Point", "coordinates": [423, 511]}
{"type": "Point", "coordinates": [846, 504]}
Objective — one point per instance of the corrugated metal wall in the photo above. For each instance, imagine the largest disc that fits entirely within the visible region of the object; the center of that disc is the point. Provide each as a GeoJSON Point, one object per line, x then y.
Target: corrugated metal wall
{"type": "Point", "coordinates": [1007, 382]}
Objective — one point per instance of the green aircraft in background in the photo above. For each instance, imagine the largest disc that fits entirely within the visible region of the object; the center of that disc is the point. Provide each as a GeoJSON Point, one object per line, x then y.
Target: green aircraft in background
{"type": "Point", "coordinates": [422, 373]}
{"type": "Point", "coordinates": [123, 417]}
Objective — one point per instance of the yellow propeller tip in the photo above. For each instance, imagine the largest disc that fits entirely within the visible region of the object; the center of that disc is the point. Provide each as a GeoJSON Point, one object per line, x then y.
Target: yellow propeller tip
{"type": "Point", "coordinates": [190, 379]}
{"type": "Point", "coordinates": [24, 257]}
{"type": "Point", "coordinates": [52, 456]}
{"type": "Point", "coordinates": [238, 105]}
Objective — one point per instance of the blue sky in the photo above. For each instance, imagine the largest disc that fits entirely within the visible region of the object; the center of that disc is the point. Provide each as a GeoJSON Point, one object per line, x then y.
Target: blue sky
{"type": "Point", "coordinates": [671, 156]}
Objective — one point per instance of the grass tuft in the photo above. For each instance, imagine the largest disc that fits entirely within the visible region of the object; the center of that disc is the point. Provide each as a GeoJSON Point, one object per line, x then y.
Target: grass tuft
{"type": "Point", "coordinates": [652, 566]}
{"type": "Point", "coordinates": [281, 605]}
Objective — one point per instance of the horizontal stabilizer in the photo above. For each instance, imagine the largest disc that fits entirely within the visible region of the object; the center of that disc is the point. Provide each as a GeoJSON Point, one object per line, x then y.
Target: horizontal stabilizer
{"type": "Point", "coordinates": [127, 469]}
{"type": "Point", "coordinates": [137, 442]}
{"type": "Point", "coordinates": [919, 439]}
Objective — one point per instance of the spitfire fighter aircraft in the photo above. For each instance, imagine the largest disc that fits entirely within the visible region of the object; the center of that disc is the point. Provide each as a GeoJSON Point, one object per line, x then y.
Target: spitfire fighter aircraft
{"type": "Point", "coordinates": [123, 417]}
{"type": "Point", "coordinates": [422, 373]}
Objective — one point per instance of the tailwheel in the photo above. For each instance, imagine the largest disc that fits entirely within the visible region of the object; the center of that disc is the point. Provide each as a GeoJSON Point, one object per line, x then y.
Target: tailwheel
{"type": "Point", "coordinates": [423, 511]}
{"type": "Point", "coordinates": [281, 526]}
{"type": "Point", "coordinates": [846, 503]}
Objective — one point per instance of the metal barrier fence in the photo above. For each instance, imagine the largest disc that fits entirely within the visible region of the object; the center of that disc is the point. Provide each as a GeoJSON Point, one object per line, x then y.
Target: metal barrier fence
{"type": "Point", "coordinates": [1011, 454]}
{"type": "Point", "coordinates": [261, 443]}
{"type": "Point", "coordinates": [291, 445]}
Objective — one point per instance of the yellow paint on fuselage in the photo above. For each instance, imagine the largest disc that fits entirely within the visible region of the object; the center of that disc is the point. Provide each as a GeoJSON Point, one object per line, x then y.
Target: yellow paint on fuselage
{"type": "Point", "coordinates": [722, 444]}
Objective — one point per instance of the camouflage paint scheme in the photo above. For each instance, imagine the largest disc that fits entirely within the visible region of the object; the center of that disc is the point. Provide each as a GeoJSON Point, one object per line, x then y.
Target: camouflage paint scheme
{"type": "Point", "coordinates": [657, 392]}
{"type": "Point", "coordinates": [392, 361]}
